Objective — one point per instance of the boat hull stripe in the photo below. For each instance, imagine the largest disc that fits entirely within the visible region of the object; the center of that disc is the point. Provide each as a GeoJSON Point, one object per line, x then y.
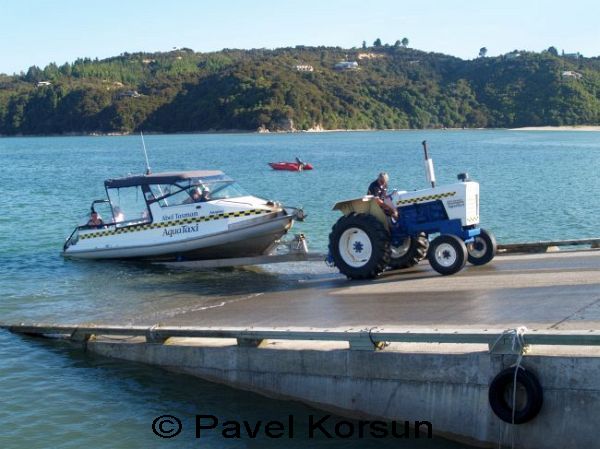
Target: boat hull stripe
{"type": "Point", "coordinates": [166, 224]}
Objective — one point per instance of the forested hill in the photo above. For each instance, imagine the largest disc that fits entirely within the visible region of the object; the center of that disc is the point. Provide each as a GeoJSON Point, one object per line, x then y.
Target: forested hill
{"type": "Point", "coordinates": [300, 88]}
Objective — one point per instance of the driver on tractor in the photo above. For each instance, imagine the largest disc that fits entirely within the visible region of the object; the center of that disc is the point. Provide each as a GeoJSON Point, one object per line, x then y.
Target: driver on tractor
{"type": "Point", "coordinates": [378, 189]}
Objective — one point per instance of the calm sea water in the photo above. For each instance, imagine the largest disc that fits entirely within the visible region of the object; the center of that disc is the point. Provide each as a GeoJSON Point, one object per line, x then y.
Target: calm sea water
{"type": "Point", "coordinates": [534, 186]}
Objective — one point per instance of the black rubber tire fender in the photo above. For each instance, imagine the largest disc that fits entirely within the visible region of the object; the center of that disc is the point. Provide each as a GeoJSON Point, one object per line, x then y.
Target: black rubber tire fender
{"type": "Point", "coordinates": [533, 390]}
{"type": "Point", "coordinates": [380, 243]}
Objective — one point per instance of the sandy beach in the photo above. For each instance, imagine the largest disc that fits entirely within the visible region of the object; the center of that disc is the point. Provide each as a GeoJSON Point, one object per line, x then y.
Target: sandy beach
{"type": "Point", "coordinates": [558, 128]}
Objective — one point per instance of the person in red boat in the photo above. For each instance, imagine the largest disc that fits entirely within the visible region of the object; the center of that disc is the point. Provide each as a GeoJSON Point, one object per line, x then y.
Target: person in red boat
{"type": "Point", "coordinates": [300, 163]}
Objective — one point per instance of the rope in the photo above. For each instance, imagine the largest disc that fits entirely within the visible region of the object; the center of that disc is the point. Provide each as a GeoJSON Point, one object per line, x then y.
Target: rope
{"type": "Point", "coordinates": [150, 332]}
{"type": "Point", "coordinates": [517, 337]}
{"type": "Point", "coordinates": [377, 344]}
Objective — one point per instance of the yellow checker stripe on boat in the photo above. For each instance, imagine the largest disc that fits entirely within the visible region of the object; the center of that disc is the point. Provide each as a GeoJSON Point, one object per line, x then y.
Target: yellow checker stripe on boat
{"type": "Point", "coordinates": [166, 224]}
{"type": "Point", "coordinates": [419, 199]}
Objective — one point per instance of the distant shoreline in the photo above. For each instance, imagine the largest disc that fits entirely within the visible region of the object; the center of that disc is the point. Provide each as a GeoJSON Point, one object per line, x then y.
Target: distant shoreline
{"type": "Point", "coordinates": [234, 131]}
{"type": "Point", "coordinates": [311, 131]}
{"type": "Point", "coordinates": [558, 128]}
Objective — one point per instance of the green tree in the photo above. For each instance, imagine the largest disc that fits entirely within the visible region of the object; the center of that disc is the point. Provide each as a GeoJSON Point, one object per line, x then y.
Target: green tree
{"type": "Point", "coordinates": [397, 44]}
{"type": "Point", "coordinates": [405, 42]}
{"type": "Point", "coordinates": [553, 51]}
{"type": "Point", "coordinates": [34, 74]}
{"type": "Point", "coordinates": [377, 43]}
{"type": "Point", "coordinates": [482, 52]}
{"type": "Point", "coordinates": [244, 89]}
{"type": "Point", "coordinates": [51, 72]}
{"type": "Point", "coordinates": [364, 45]}
{"type": "Point", "coordinates": [65, 69]}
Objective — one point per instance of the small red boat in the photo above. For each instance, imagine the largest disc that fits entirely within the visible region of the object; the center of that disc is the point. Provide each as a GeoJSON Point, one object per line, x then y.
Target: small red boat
{"type": "Point", "coordinates": [290, 166]}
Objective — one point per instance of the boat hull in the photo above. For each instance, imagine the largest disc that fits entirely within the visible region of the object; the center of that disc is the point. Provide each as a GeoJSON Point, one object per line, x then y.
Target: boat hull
{"type": "Point", "coordinates": [248, 239]}
{"type": "Point", "coordinates": [289, 166]}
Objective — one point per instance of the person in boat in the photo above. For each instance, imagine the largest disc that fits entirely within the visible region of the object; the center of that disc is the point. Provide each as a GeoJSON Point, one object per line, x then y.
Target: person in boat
{"type": "Point", "coordinates": [195, 195]}
{"type": "Point", "coordinates": [205, 194]}
{"type": "Point", "coordinates": [198, 195]}
{"type": "Point", "coordinates": [119, 215]}
{"type": "Point", "coordinates": [378, 189]}
{"type": "Point", "coordinates": [95, 221]}
{"type": "Point", "coordinates": [300, 163]}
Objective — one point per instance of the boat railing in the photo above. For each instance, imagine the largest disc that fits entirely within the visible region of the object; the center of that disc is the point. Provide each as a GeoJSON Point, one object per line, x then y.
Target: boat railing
{"type": "Point", "coordinates": [85, 227]}
{"type": "Point", "coordinates": [111, 224]}
{"type": "Point", "coordinates": [68, 241]}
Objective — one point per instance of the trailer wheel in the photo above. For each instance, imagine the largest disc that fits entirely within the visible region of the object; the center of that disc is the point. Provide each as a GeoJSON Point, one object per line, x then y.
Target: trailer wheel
{"type": "Point", "coordinates": [447, 254]}
{"type": "Point", "coordinates": [360, 246]}
{"type": "Point", "coordinates": [410, 252]}
{"type": "Point", "coordinates": [530, 396]}
{"type": "Point", "coordinates": [483, 249]}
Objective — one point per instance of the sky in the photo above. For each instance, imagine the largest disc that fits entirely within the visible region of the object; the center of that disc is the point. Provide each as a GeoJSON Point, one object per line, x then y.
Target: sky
{"type": "Point", "coordinates": [37, 32]}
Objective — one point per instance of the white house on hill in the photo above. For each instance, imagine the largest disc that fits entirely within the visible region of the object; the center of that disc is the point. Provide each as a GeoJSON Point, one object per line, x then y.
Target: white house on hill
{"type": "Point", "coordinates": [572, 74]}
{"type": "Point", "coordinates": [346, 65]}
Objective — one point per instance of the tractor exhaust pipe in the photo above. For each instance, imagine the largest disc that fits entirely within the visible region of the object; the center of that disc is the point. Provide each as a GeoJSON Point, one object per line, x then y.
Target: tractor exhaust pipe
{"type": "Point", "coordinates": [428, 165]}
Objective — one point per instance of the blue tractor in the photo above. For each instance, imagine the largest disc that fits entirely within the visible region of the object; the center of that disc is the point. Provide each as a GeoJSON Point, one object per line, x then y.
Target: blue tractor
{"type": "Point", "coordinates": [439, 223]}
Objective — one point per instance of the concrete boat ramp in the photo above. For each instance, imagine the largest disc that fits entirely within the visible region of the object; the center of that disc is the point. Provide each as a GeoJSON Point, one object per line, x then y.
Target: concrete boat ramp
{"type": "Point", "coordinates": [544, 291]}
{"type": "Point", "coordinates": [411, 345]}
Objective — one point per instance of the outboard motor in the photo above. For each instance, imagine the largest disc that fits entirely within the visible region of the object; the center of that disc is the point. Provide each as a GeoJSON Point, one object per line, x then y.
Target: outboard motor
{"type": "Point", "coordinates": [463, 177]}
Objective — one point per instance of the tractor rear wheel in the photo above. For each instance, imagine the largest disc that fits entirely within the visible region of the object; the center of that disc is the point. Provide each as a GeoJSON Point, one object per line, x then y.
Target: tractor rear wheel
{"type": "Point", "coordinates": [483, 249]}
{"type": "Point", "coordinates": [360, 246]}
{"type": "Point", "coordinates": [410, 252]}
{"type": "Point", "coordinates": [447, 254]}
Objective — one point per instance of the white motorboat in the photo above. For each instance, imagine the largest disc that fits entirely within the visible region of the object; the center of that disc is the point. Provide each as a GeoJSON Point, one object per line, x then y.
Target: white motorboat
{"type": "Point", "coordinates": [191, 215]}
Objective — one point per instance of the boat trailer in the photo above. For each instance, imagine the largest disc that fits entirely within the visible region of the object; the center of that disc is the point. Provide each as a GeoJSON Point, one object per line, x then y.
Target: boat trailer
{"type": "Point", "coordinates": [295, 250]}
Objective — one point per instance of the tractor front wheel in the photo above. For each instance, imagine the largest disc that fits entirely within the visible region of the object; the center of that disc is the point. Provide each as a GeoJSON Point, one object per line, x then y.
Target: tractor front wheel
{"type": "Point", "coordinates": [447, 254]}
{"type": "Point", "coordinates": [483, 249]}
{"type": "Point", "coordinates": [360, 246]}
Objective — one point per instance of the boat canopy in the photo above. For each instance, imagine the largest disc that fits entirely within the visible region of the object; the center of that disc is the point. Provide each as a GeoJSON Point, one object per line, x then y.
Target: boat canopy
{"type": "Point", "coordinates": [165, 178]}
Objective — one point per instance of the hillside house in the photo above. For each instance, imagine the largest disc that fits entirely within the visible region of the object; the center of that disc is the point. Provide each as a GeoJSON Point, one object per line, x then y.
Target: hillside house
{"type": "Point", "coordinates": [572, 74]}
{"type": "Point", "coordinates": [370, 56]}
{"type": "Point", "coordinates": [346, 65]}
{"type": "Point", "coordinates": [129, 93]}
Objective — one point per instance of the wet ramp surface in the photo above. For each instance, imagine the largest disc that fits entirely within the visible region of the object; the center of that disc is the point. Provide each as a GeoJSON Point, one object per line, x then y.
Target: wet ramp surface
{"type": "Point", "coordinates": [558, 291]}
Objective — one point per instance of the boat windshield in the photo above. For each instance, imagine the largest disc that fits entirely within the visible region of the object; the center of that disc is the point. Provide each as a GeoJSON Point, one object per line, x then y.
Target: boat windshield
{"type": "Point", "coordinates": [104, 211]}
{"type": "Point", "coordinates": [222, 190]}
{"type": "Point", "coordinates": [195, 190]}
{"type": "Point", "coordinates": [129, 205]}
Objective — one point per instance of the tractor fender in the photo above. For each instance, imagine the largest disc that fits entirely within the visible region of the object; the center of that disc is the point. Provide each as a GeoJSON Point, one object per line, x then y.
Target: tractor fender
{"type": "Point", "coordinates": [363, 205]}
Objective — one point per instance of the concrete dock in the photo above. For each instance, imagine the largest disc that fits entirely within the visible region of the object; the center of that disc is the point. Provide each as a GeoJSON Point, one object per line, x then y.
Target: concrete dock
{"type": "Point", "coordinates": [441, 382]}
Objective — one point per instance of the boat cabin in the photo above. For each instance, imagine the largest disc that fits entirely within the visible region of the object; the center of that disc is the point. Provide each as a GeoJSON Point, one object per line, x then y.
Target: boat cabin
{"type": "Point", "coordinates": [135, 200]}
